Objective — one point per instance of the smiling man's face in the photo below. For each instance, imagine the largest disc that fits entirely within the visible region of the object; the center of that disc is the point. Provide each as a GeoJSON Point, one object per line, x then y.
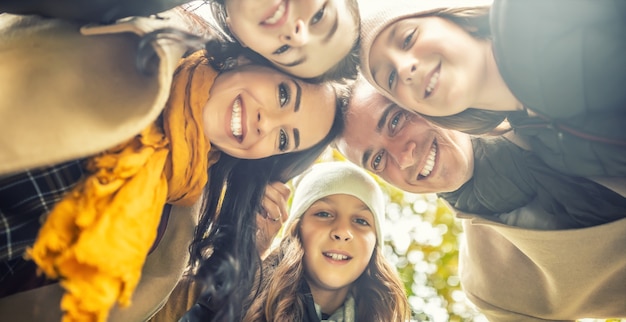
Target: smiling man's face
{"type": "Point", "coordinates": [403, 148]}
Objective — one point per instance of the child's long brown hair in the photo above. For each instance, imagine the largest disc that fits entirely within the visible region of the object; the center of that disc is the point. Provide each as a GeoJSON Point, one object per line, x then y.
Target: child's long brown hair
{"type": "Point", "coordinates": [379, 293]}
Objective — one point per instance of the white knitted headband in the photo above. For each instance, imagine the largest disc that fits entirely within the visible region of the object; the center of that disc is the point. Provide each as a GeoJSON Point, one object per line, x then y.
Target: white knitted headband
{"type": "Point", "coordinates": [331, 178]}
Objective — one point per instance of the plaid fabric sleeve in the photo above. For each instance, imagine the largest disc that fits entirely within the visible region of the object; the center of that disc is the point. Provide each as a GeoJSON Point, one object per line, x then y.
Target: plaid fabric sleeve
{"type": "Point", "coordinates": [25, 199]}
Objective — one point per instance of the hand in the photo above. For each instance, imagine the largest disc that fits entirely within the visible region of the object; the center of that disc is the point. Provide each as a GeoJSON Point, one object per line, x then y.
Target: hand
{"type": "Point", "coordinates": [271, 218]}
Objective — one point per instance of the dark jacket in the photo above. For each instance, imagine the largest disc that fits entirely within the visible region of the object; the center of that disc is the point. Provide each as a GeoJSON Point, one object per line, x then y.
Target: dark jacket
{"type": "Point", "coordinates": [565, 61]}
{"type": "Point", "coordinates": [507, 177]}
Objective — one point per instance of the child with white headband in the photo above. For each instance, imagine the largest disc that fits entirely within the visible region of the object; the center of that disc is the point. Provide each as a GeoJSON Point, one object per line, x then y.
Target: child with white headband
{"type": "Point", "coordinates": [329, 265]}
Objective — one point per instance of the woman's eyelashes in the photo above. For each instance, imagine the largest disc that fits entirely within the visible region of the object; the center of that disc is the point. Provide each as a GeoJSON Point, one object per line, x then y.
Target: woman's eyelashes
{"type": "Point", "coordinates": [284, 97]}
{"type": "Point", "coordinates": [284, 94]}
{"type": "Point", "coordinates": [283, 141]}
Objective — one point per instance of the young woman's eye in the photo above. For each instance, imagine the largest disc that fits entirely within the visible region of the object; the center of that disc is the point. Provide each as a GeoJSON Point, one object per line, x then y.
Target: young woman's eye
{"type": "Point", "coordinates": [392, 78]}
{"type": "Point", "coordinates": [322, 214]}
{"type": "Point", "coordinates": [283, 141]}
{"type": "Point", "coordinates": [318, 15]}
{"type": "Point", "coordinates": [377, 160]}
{"type": "Point", "coordinates": [281, 50]}
{"type": "Point", "coordinates": [407, 39]}
{"type": "Point", "coordinates": [283, 94]}
{"type": "Point", "coordinates": [361, 221]}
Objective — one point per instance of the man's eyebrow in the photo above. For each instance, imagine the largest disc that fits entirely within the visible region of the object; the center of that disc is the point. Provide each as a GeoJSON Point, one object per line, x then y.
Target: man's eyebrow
{"type": "Point", "coordinates": [296, 138]}
{"type": "Point", "coordinates": [293, 63]}
{"type": "Point", "coordinates": [383, 118]}
{"type": "Point", "coordinates": [365, 158]}
{"type": "Point", "coordinates": [332, 31]}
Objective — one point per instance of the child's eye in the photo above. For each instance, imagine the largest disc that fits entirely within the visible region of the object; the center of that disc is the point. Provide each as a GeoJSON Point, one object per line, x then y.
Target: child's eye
{"type": "Point", "coordinates": [281, 50]}
{"type": "Point", "coordinates": [377, 160]}
{"type": "Point", "coordinates": [283, 141]}
{"type": "Point", "coordinates": [283, 94]}
{"type": "Point", "coordinates": [322, 214]}
{"type": "Point", "coordinates": [318, 15]}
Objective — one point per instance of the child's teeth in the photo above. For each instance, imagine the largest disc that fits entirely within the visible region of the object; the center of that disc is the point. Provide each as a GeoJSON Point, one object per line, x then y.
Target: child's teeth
{"type": "Point", "coordinates": [235, 121]}
{"type": "Point", "coordinates": [337, 257]}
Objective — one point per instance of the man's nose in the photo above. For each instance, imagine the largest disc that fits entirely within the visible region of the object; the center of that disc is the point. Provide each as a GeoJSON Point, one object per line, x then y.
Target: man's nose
{"type": "Point", "coordinates": [403, 153]}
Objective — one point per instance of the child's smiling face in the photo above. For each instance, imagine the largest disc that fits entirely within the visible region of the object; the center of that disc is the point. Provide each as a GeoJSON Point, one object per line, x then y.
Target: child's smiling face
{"type": "Point", "coordinates": [339, 236]}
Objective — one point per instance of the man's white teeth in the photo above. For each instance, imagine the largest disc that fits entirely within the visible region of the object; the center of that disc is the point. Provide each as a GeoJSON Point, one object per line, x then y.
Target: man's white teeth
{"type": "Point", "coordinates": [277, 14]}
{"type": "Point", "coordinates": [432, 83]}
{"type": "Point", "coordinates": [430, 162]}
{"type": "Point", "coordinates": [337, 257]}
{"type": "Point", "coordinates": [235, 121]}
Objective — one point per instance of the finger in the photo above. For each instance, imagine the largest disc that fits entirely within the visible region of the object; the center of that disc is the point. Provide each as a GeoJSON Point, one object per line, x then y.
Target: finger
{"type": "Point", "coordinates": [272, 210]}
{"type": "Point", "coordinates": [277, 192]}
{"type": "Point", "coordinates": [282, 188]}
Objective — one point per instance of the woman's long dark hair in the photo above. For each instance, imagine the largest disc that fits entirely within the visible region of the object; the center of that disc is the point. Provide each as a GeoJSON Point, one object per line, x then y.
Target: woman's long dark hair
{"type": "Point", "coordinates": [224, 256]}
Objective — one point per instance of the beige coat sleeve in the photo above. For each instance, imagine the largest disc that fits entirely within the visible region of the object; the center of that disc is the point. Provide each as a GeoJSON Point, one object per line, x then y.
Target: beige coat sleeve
{"type": "Point", "coordinates": [66, 94]}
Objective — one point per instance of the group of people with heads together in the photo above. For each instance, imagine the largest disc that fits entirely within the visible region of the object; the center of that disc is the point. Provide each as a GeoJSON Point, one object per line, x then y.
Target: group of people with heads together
{"type": "Point", "coordinates": [147, 148]}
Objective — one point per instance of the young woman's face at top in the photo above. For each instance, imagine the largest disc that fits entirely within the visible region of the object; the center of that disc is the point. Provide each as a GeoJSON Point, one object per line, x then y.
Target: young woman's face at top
{"type": "Point", "coordinates": [255, 112]}
{"type": "Point", "coordinates": [302, 37]}
{"type": "Point", "coordinates": [429, 65]}
{"type": "Point", "coordinates": [338, 235]}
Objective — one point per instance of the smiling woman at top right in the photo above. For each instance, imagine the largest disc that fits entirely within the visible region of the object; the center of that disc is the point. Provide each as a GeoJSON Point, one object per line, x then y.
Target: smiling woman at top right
{"type": "Point", "coordinates": [555, 70]}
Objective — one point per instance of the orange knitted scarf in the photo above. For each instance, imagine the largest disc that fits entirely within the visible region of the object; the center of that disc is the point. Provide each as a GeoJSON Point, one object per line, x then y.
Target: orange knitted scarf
{"type": "Point", "coordinates": [97, 238]}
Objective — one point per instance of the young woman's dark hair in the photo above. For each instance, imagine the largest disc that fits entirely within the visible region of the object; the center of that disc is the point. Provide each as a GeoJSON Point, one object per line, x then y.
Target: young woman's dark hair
{"type": "Point", "coordinates": [345, 69]}
{"type": "Point", "coordinates": [224, 256]}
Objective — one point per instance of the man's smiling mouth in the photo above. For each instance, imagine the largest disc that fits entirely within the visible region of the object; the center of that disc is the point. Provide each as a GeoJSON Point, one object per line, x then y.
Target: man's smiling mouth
{"type": "Point", "coordinates": [430, 162]}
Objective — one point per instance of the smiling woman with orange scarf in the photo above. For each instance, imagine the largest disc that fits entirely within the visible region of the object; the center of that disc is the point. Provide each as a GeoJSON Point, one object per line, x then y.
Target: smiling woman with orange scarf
{"type": "Point", "coordinates": [97, 237]}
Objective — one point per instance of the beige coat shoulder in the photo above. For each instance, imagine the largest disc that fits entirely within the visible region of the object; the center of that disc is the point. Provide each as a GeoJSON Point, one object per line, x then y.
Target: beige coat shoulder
{"type": "Point", "coordinates": [67, 92]}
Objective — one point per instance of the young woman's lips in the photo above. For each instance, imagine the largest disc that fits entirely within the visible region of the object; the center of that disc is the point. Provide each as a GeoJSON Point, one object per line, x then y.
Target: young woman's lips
{"type": "Point", "coordinates": [277, 15]}
{"type": "Point", "coordinates": [431, 81]}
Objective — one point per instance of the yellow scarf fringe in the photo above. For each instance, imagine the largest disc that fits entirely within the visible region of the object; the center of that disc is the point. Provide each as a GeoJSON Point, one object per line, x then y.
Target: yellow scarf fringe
{"type": "Point", "coordinates": [97, 238]}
